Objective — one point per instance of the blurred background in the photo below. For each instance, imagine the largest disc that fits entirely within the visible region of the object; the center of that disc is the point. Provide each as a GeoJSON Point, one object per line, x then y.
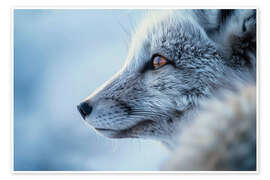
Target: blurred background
{"type": "Point", "coordinates": [60, 57]}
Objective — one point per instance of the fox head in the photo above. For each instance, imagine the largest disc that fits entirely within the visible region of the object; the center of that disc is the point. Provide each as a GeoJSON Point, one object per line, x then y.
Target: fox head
{"type": "Point", "coordinates": [175, 60]}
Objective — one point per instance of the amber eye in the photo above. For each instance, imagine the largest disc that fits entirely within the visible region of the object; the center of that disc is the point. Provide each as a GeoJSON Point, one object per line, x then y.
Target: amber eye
{"type": "Point", "coordinates": [159, 61]}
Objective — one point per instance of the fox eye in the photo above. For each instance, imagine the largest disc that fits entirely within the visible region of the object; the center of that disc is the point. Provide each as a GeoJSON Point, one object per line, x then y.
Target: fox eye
{"type": "Point", "coordinates": [159, 61]}
{"type": "Point", "coordinates": [156, 62]}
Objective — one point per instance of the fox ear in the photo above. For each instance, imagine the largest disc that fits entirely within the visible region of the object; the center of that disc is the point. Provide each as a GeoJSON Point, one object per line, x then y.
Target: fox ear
{"type": "Point", "coordinates": [233, 31]}
{"type": "Point", "coordinates": [236, 38]}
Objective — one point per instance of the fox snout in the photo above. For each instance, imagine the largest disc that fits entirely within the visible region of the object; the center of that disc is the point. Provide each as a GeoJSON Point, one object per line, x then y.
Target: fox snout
{"type": "Point", "coordinates": [85, 109]}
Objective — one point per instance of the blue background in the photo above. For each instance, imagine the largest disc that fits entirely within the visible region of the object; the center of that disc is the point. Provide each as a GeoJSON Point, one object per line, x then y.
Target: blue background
{"type": "Point", "coordinates": [60, 57]}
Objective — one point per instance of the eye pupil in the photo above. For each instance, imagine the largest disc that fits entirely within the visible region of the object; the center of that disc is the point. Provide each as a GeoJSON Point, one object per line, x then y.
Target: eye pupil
{"type": "Point", "coordinates": [159, 62]}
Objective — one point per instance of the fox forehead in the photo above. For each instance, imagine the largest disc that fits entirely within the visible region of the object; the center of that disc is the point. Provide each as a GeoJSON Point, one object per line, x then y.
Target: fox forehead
{"type": "Point", "coordinates": [159, 32]}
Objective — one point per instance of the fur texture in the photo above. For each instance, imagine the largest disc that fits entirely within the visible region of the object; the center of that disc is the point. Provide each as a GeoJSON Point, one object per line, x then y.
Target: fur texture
{"type": "Point", "coordinates": [222, 137]}
{"type": "Point", "coordinates": [208, 51]}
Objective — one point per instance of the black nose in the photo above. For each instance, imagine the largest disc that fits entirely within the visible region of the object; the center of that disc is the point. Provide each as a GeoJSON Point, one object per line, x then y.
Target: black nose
{"type": "Point", "coordinates": [85, 109]}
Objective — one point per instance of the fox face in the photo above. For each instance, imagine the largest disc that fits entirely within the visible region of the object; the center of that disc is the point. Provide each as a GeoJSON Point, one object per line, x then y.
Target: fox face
{"type": "Point", "coordinates": [172, 64]}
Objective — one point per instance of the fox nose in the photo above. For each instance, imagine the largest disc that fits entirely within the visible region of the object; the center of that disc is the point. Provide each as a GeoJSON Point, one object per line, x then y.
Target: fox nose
{"type": "Point", "coordinates": [85, 109]}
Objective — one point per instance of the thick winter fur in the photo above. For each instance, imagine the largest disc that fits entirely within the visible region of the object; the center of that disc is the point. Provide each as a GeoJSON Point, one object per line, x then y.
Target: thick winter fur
{"type": "Point", "coordinates": [222, 137]}
{"type": "Point", "coordinates": [208, 50]}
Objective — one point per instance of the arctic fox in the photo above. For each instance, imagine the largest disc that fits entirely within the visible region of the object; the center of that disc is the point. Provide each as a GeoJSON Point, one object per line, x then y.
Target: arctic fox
{"type": "Point", "coordinates": [177, 61]}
